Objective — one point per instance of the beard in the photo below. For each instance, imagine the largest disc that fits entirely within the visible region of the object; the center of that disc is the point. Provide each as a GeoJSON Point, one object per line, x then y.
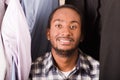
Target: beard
{"type": "Point", "coordinates": [65, 53]}
{"type": "Point", "coordinates": [62, 52]}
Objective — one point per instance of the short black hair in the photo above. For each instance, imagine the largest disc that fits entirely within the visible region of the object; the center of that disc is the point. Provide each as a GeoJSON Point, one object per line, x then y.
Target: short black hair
{"type": "Point", "coordinates": [80, 13]}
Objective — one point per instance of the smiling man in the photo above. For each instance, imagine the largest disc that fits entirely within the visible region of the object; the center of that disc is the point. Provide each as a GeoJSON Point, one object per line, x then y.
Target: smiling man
{"type": "Point", "coordinates": [65, 61]}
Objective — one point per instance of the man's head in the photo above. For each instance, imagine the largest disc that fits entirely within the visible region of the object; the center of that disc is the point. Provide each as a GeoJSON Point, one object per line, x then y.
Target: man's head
{"type": "Point", "coordinates": [65, 29]}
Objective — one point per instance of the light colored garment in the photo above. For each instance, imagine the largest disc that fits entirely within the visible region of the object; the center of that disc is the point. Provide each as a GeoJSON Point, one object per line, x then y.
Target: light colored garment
{"type": "Point", "coordinates": [2, 61]}
{"type": "Point", "coordinates": [14, 71]}
{"type": "Point", "coordinates": [33, 10]}
{"type": "Point", "coordinates": [30, 8]}
{"type": "Point", "coordinates": [17, 41]}
{"type": "Point", "coordinates": [2, 54]}
{"type": "Point", "coordinates": [61, 2]}
{"type": "Point", "coordinates": [2, 10]}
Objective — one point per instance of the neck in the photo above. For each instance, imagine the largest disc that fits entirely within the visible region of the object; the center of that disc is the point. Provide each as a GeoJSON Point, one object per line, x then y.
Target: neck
{"type": "Point", "coordinates": [65, 63]}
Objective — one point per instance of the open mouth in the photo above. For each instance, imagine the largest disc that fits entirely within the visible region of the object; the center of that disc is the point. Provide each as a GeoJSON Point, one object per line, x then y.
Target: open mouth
{"type": "Point", "coordinates": [65, 41]}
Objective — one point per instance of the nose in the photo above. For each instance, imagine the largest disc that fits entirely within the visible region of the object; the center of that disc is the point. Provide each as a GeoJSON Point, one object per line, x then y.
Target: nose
{"type": "Point", "coordinates": [66, 32]}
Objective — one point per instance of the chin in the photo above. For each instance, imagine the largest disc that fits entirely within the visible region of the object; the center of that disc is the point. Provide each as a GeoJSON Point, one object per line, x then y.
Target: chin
{"type": "Point", "coordinates": [65, 52]}
{"type": "Point", "coordinates": [66, 49]}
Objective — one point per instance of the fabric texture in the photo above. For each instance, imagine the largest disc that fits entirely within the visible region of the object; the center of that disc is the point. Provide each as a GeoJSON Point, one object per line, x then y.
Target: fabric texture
{"type": "Point", "coordinates": [2, 11]}
{"type": "Point", "coordinates": [110, 40]}
{"type": "Point", "coordinates": [16, 40]}
{"type": "Point", "coordinates": [2, 60]}
{"type": "Point", "coordinates": [44, 69]}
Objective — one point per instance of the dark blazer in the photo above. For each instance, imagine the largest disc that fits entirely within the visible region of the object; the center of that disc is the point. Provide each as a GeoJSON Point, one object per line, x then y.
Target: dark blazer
{"type": "Point", "coordinates": [110, 40]}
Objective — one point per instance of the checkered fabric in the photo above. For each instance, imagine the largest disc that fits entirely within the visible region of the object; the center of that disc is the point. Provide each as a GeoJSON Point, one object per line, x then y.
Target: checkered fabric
{"type": "Point", "coordinates": [86, 68]}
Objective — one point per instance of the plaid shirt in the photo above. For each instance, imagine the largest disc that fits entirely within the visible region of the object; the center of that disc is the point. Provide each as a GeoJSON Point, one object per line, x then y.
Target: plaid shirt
{"type": "Point", "coordinates": [44, 69]}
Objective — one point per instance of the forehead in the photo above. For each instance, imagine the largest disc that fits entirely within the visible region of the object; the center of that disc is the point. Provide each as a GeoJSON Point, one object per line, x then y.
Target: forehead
{"type": "Point", "coordinates": [68, 12]}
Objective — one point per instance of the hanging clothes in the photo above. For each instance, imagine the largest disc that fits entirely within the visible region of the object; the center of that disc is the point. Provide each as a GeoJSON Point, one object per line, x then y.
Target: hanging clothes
{"type": "Point", "coordinates": [37, 13]}
{"type": "Point", "coordinates": [91, 41]}
{"type": "Point", "coordinates": [2, 10]}
{"type": "Point", "coordinates": [30, 8]}
{"type": "Point", "coordinates": [16, 41]}
{"type": "Point", "coordinates": [61, 2]}
{"type": "Point", "coordinates": [2, 53]}
{"type": "Point", "coordinates": [2, 60]}
{"type": "Point", "coordinates": [110, 40]}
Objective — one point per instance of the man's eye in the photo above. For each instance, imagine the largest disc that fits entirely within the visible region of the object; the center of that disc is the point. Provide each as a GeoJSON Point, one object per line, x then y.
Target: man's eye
{"type": "Point", "coordinates": [72, 27]}
{"type": "Point", "coordinates": [58, 26]}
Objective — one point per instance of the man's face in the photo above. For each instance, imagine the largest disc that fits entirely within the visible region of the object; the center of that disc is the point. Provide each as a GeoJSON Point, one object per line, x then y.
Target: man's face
{"type": "Point", "coordinates": [65, 30]}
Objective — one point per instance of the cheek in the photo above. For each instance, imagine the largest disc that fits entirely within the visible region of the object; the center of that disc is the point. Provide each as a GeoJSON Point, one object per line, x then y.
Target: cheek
{"type": "Point", "coordinates": [53, 35]}
{"type": "Point", "coordinates": [77, 35]}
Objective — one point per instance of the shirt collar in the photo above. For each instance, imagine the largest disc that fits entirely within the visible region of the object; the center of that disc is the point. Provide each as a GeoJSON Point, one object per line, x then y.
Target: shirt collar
{"type": "Point", "coordinates": [81, 63]}
{"type": "Point", "coordinates": [84, 64]}
{"type": "Point", "coordinates": [49, 63]}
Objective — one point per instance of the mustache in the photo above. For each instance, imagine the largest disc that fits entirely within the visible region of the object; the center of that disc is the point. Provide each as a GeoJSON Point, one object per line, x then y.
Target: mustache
{"type": "Point", "coordinates": [67, 38]}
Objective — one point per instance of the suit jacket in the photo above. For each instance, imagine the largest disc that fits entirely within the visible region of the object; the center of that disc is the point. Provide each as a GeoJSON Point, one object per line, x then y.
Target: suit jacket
{"type": "Point", "coordinates": [110, 40]}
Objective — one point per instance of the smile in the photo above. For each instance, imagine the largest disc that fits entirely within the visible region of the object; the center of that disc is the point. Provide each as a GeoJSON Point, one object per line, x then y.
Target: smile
{"type": "Point", "coordinates": [65, 41]}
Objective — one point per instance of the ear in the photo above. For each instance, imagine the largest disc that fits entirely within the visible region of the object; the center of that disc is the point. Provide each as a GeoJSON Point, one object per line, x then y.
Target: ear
{"type": "Point", "coordinates": [48, 34]}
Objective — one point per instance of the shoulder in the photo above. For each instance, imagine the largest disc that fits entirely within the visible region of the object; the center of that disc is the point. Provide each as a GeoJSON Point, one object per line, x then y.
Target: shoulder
{"type": "Point", "coordinates": [38, 67]}
{"type": "Point", "coordinates": [87, 59]}
{"type": "Point", "coordinates": [89, 64]}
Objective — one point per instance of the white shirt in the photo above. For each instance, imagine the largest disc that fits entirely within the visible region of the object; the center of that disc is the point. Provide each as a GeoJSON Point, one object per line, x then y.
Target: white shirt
{"type": "Point", "coordinates": [68, 72]}
{"type": "Point", "coordinates": [2, 61]}
{"type": "Point", "coordinates": [16, 39]}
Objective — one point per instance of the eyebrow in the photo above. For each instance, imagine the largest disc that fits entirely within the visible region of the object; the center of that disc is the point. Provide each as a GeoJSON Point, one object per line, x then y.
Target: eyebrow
{"type": "Point", "coordinates": [58, 20]}
{"type": "Point", "coordinates": [74, 21]}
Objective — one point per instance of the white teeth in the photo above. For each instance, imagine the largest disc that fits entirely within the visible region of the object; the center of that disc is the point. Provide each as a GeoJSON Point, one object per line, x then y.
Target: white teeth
{"type": "Point", "coordinates": [65, 41]}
